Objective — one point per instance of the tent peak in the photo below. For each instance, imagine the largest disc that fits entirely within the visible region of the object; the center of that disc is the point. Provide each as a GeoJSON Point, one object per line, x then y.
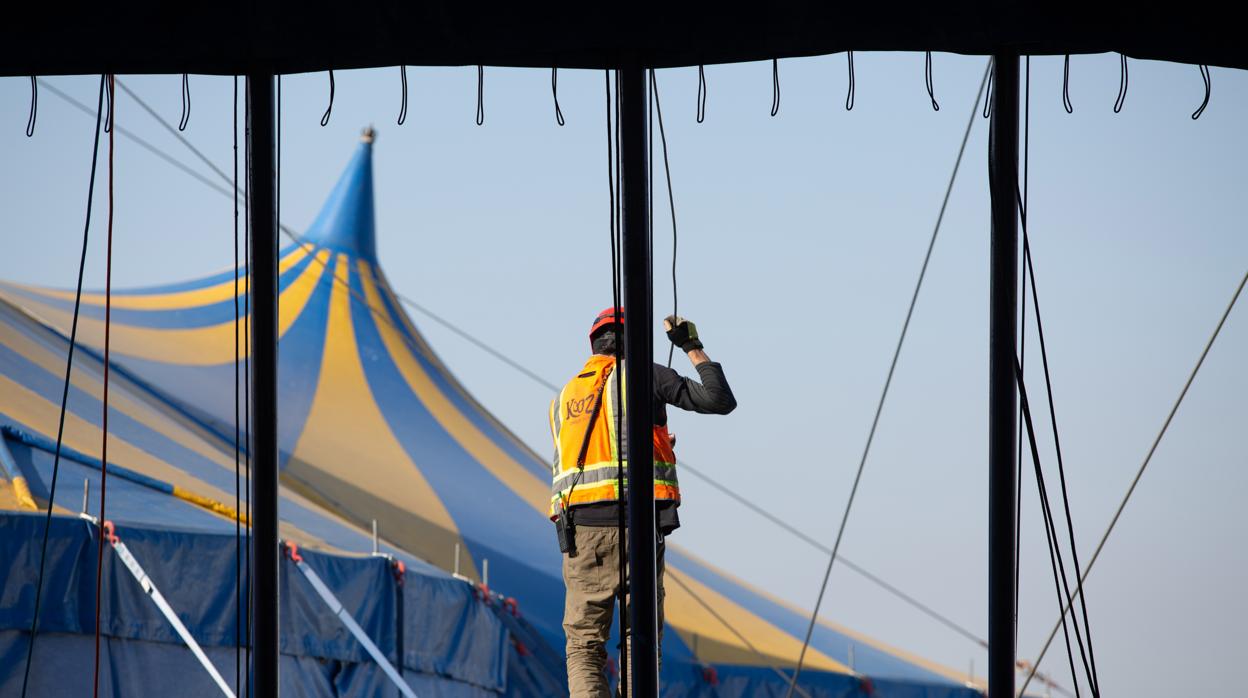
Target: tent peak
{"type": "Point", "coordinates": [347, 221]}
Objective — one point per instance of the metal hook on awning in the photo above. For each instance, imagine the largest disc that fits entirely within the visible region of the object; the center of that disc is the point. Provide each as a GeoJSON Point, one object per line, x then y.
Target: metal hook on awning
{"type": "Point", "coordinates": [1204, 74]}
{"type": "Point", "coordinates": [330, 108]}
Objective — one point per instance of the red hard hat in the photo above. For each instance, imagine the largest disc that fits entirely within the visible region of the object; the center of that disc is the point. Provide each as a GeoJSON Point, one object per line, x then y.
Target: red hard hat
{"type": "Point", "coordinates": [605, 318]}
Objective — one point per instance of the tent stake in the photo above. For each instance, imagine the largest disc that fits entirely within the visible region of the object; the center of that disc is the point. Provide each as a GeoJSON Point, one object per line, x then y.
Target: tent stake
{"type": "Point", "coordinates": [1002, 391]}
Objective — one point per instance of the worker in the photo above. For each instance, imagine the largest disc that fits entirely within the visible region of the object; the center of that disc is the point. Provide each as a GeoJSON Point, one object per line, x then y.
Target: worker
{"type": "Point", "coordinates": [585, 504]}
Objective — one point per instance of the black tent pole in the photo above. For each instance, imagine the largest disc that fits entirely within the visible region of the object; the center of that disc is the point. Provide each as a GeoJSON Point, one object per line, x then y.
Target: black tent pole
{"type": "Point", "coordinates": [1002, 390]}
{"type": "Point", "coordinates": [265, 552]}
{"type": "Point", "coordinates": [639, 386]}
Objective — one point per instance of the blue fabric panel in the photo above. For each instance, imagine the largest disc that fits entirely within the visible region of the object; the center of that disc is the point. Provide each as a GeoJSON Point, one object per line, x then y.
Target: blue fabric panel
{"type": "Point", "coordinates": [365, 587]}
{"type": "Point", "coordinates": [466, 649]}
{"type": "Point", "coordinates": [448, 633]}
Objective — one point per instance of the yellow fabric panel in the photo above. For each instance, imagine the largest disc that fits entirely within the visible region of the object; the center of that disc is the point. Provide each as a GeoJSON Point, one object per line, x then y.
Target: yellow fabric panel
{"type": "Point", "coordinates": [347, 458]}
{"type": "Point", "coordinates": [715, 643]}
{"type": "Point", "coordinates": [159, 421]}
{"type": "Point", "coordinates": [951, 674]}
{"type": "Point", "coordinates": [201, 346]}
{"type": "Point", "coordinates": [80, 435]}
{"type": "Point", "coordinates": [170, 301]}
{"type": "Point", "coordinates": [448, 416]}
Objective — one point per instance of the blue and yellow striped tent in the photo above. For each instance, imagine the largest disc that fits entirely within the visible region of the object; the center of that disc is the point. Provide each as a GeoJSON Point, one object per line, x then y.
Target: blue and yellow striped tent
{"type": "Point", "coordinates": [373, 426]}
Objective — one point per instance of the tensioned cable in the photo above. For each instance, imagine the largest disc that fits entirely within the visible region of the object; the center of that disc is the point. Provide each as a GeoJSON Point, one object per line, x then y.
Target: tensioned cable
{"type": "Point", "coordinates": [108, 315]}
{"type": "Point", "coordinates": [614, 226]}
{"type": "Point", "coordinates": [1050, 531]}
{"type": "Point", "coordinates": [814, 615]}
{"type": "Point", "coordinates": [1139, 473]}
{"type": "Point", "coordinates": [671, 200]}
{"type": "Point", "coordinates": [69, 367]}
{"type": "Point", "coordinates": [1022, 352]}
{"type": "Point", "coordinates": [1093, 676]}
{"type": "Point", "coordinates": [536, 378]}
{"type": "Point", "coordinates": [238, 436]}
{"type": "Point", "coordinates": [247, 377]}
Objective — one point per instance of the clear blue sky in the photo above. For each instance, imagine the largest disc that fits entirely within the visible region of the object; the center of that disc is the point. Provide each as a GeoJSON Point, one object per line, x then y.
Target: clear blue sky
{"type": "Point", "coordinates": [801, 237]}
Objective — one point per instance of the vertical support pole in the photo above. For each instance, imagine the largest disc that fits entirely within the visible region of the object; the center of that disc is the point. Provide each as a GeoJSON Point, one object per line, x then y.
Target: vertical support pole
{"type": "Point", "coordinates": [265, 552]}
{"type": "Point", "coordinates": [1002, 390]}
{"type": "Point", "coordinates": [639, 386]}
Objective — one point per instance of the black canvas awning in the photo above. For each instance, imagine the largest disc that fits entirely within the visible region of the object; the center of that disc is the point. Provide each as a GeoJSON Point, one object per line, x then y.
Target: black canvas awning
{"type": "Point", "coordinates": [159, 36]}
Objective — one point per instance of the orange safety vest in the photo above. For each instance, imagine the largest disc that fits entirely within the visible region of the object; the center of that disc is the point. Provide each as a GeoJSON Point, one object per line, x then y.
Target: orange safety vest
{"type": "Point", "coordinates": [587, 450]}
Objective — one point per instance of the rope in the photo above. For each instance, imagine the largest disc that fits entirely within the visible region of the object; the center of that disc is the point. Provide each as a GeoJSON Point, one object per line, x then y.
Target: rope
{"type": "Point", "coordinates": [238, 532]}
{"type": "Point", "coordinates": [69, 366]}
{"type": "Point", "coordinates": [1050, 531]}
{"type": "Point", "coordinates": [1204, 74]}
{"type": "Point", "coordinates": [247, 183]}
{"type": "Point", "coordinates": [927, 77]}
{"type": "Point", "coordinates": [701, 112]}
{"type": "Point", "coordinates": [1122, 83]}
{"type": "Point", "coordinates": [554, 90]}
{"type": "Point", "coordinates": [851, 90]}
{"type": "Point", "coordinates": [671, 199]}
{"type": "Point", "coordinates": [1139, 473]}
{"type": "Point", "coordinates": [810, 629]}
{"type": "Point", "coordinates": [616, 252]}
{"type": "Point", "coordinates": [1070, 108]}
{"type": "Point", "coordinates": [329, 109]}
{"type": "Point", "coordinates": [775, 86]}
{"type": "Point", "coordinates": [34, 107]}
{"type": "Point", "coordinates": [992, 71]}
{"type": "Point", "coordinates": [1061, 469]}
{"type": "Point", "coordinates": [480, 95]}
{"type": "Point", "coordinates": [108, 310]}
{"type": "Point", "coordinates": [403, 104]}
{"type": "Point", "coordinates": [186, 102]}
{"type": "Point", "coordinates": [1022, 357]}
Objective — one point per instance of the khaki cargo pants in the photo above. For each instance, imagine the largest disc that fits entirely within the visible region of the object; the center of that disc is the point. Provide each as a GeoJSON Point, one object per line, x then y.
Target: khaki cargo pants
{"type": "Point", "coordinates": [592, 579]}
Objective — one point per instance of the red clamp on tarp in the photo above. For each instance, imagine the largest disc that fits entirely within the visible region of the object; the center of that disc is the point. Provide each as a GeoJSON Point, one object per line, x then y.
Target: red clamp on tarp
{"type": "Point", "coordinates": [109, 532]}
{"type": "Point", "coordinates": [611, 669]}
{"type": "Point", "coordinates": [512, 606]}
{"type": "Point", "coordinates": [292, 550]}
{"type": "Point", "coordinates": [867, 687]}
{"type": "Point", "coordinates": [710, 675]}
{"type": "Point", "coordinates": [482, 592]}
{"type": "Point", "coordinates": [521, 649]}
{"type": "Point", "coordinates": [399, 570]}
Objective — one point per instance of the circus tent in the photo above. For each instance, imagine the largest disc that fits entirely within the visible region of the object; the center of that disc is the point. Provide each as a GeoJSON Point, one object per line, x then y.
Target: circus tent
{"type": "Point", "coordinates": [373, 428]}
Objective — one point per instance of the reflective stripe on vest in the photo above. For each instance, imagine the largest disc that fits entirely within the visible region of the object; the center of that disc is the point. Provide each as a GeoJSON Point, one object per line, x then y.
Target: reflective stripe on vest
{"type": "Point", "coordinates": [570, 424]}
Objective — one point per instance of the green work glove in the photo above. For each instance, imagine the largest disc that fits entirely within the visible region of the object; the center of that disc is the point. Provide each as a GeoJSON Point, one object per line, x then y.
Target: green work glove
{"type": "Point", "coordinates": [683, 333]}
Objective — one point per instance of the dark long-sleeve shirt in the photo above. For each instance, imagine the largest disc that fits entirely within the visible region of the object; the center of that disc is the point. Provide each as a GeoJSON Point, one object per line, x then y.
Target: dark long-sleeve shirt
{"type": "Point", "coordinates": [710, 396]}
